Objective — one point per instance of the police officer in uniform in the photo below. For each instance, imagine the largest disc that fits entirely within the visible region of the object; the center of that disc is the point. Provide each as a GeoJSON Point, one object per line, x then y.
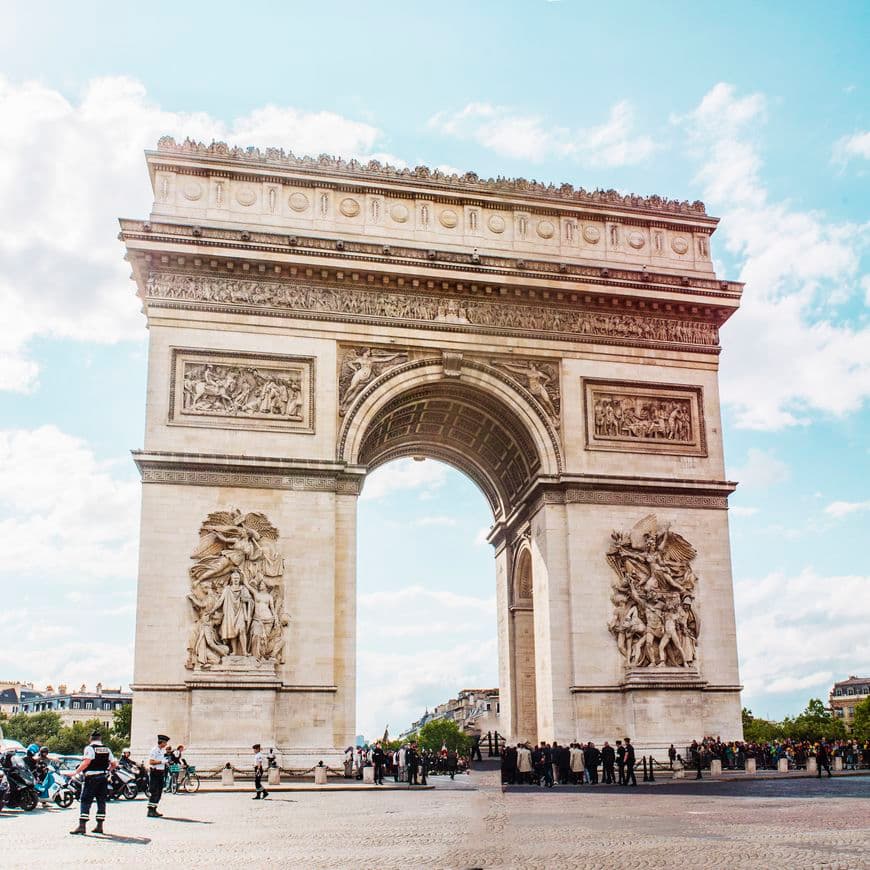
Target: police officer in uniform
{"type": "Point", "coordinates": [95, 765]}
{"type": "Point", "coordinates": [156, 775]}
{"type": "Point", "coordinates": [259, 762]}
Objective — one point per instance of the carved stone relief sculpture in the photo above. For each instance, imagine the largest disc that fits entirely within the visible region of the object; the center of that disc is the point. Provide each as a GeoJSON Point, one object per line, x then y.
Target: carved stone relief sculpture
{"type": "Point", "coordinates": [654, 622]}
{"type": "Point", "coordinates": [306, 300]}
{"type": "Point", "coordinates": [644, 418]}
{"type": "Point", "coordinates": [541, 379]}
{"type": "Point", "coordinates": [360, 366]}
{"type": "Point", "coordinates": [237, 594]}
{"type": "Point", "coordinates": [258, 391]}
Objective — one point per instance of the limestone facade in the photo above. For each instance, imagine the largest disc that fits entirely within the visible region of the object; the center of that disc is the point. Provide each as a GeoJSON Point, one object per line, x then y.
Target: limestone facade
{"type": "Point", "coordinates": [312, 319]}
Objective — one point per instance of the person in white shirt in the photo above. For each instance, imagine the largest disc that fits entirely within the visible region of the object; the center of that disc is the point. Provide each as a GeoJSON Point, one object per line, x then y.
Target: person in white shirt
{"type": "Point", "coordinates": [259, 762]}
{"type": "Point", "coordinates": [156, 775]}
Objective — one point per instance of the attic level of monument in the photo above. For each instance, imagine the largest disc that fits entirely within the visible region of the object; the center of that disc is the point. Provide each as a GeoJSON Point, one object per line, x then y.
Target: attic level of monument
{"type": "Point", "coordinates": [421, 176]}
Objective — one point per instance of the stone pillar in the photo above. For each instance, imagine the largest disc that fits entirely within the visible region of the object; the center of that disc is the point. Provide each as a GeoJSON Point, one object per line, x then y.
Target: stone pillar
{"type": "Point", "coordinates": [715, 767]}
{"type": "Point", "coordinates": [369, 775]}
{"type": "Point", "coordinates": [320, 775]}
{"type": "Point", "coordinates": [274, 776]}
{"type": "Point", "coordinates": [838, 762]}
{"type": "Point", "coordinates": [227, 776]}
{"type": "Point", "coordinates": [751, 765]}
{"type": "Point", "coordinates": [812, 764]}
{"type": "Point", "coordinates": [782, 765]}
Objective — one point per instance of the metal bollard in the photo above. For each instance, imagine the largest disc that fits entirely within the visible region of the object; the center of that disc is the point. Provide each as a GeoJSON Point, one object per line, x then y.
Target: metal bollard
{"type": "Point", "coordinates": [652, 776]}
{"type": "Point", "coordinates": [645, 774]}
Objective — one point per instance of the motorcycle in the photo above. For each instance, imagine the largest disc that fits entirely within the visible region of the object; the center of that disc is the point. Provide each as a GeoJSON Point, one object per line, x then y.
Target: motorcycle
{"type": "Point", "coordinates": [123, 783]}
{"type": "Point", "coordinates": [54, 787]}
{"type": "Point", "coordinates": [20, 787]}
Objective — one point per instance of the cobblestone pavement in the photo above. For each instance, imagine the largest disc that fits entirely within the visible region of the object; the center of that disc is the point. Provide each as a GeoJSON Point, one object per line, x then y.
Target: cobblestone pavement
{"type": "Point", "coordinates": [795, 824]}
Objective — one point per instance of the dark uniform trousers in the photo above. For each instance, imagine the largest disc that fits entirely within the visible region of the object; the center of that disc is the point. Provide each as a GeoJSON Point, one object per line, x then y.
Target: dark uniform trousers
{"type": "Point", "coordinates": [258, 779]}
{"type": "Point", "coordinates": [96, 788]}
{"type": "Point", "coordinates": [155, 787]}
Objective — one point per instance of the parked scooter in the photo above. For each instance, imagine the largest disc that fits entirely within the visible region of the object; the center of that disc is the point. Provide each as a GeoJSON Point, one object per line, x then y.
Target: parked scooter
{"type": "Point", "coordinates": [21, 789]}
{"type": "Point", "coordinates": [54, 787]}
{"type": "Point", "coordinates": [123, 783]}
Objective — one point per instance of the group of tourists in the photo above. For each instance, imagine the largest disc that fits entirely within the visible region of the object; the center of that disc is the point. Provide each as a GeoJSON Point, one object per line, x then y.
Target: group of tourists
{"type": "Point", "coordinates": [734, 753]}
{"type": "Point", "coordinates": [410, 763]}
{"type": "Point", "coordinates": [549, 764]}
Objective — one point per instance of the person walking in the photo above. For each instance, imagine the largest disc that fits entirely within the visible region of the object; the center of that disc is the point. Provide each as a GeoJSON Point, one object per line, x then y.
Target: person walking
{"type": "Point", "coordinates": [620, 761]}
{"type": "Point", "coordinates": [452, 762]}
{"type": "Point", "coordinates": [412, 761]}
{"type": "Point", "coordinates": [823, 759]}
{"type": "Point", "coordinates": [96, 764]}
{"type": "Point", "coordinates": [630, 762]}
{"type": "Point", "coordinates": [425, 761]}
{"type": "Point", "coordinates": [156, 775]}
{"type": "Point", "coordinates": [259, 763]}
{"type": "Point", "coordinates": [576, 762]}
{"type": "Point", "coordinates": [672, 755]}
{"type": "Point", "coordinates": [696, 757]}
{"type": "Point", "coordinates": [475, 748]}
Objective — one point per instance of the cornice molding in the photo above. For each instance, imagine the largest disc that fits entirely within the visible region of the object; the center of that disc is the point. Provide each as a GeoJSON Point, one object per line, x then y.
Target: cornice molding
{"type": "Point", "coordinates": [421, 176]}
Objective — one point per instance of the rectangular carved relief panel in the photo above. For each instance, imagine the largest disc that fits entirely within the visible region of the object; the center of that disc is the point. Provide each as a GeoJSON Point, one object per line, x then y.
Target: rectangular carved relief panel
{"type": "Point", "coordinates": [639, 417]}
{"type": "Point", "coordinates": [240, 390]}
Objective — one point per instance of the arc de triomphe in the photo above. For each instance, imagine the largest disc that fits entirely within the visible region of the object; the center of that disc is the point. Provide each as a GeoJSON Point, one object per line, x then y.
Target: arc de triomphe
{"type": "Point", "coordinates": [311, 319]}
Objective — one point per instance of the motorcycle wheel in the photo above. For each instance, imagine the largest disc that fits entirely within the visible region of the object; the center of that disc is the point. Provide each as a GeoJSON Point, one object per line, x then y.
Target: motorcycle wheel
{"type": "Point", "coordinates": [28, 800]}
{"type": "Point", "coordinates": [130, 791]}
{"type": "Point", "coordinates": [64, 798]}
{"type": "Point", "coordinates": [191, 784]}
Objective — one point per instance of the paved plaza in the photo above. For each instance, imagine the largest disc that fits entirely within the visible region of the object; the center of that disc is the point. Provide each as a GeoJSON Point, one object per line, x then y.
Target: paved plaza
{"type": "Point", "coordinates": [795, 823]}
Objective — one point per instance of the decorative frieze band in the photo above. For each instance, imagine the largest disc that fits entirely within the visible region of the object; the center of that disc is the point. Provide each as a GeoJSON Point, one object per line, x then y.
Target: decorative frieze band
{"type": "Point", "coordinates": [632, 498]}
{"type": "Point", "coordinates": [493, 317]}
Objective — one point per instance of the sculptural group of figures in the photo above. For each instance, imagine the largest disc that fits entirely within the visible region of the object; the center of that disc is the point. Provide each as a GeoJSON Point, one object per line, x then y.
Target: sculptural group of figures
{"type": "Point", "coordinates": [236, 591]}
{"type": "Point", "coordinates": [224, 389]}
{"type": "Point", "coordinates": [641, 417]}
{"type": "Point", "coordinates": [406, 306]}
{"type": "Point", "coordinates": [654, 619]}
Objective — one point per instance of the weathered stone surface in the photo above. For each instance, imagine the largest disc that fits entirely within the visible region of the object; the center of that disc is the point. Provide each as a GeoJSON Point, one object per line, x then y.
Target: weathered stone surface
{"type": "Point", "coordinates": [309, 320]}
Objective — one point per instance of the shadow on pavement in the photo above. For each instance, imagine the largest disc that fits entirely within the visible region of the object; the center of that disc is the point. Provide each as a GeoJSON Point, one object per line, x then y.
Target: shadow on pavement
{"type": "Point", "coordinates": [118, 838]}
{"type": "Point", "coordinates": [186, 821]}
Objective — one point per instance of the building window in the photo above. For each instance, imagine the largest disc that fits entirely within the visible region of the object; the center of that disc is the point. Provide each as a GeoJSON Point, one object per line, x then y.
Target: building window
{"type": "Point", "coordinates": [76, 705]}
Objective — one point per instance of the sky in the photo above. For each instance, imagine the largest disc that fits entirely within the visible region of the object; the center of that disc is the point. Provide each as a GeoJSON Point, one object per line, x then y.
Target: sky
{"type": "Point", "coordinates": [761, 110]}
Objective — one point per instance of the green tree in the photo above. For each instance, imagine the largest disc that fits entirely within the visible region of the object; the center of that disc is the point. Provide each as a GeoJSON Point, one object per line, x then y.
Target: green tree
{"type": "Point", "coordinates": [37, 728]}
{"type": "Point", "coordinates": [122, 720]}
{"type": "Point", "coordinates": [439, 732]}
{"type": "Point", "coordinates": [72, 739]}
{"type": "Point", "coordinates": [759, 730]}
{"type": "Point", "coordinates": [815, 723]}
{"type": "Point", "coordinates": [861, 723]}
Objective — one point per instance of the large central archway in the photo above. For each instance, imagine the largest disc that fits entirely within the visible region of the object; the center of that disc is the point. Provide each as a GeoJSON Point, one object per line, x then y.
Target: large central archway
{"type": "Point", "coordinates": [468, 417]}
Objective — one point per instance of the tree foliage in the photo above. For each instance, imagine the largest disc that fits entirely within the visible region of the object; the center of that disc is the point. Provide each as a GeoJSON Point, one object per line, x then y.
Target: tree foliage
{"type": "Point", "coordinates": [815, 723]}
{"type": "Point", "coordinates": [760, 730]}
{"type": "Point", "coordinates": [45, 729]}
{"type": "Point", "coordinates": [36, 728]}
{"type": "Point", "coordinates": [861, 722]}
{"type": "Point", "coordinates": [440, 732]}
{"type": "Point", "coordinates": [122, 720]}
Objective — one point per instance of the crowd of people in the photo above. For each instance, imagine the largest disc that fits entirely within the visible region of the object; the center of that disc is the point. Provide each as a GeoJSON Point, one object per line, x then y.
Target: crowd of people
{"type": "Point", "coordinates": [734, 753]}
{"type": "Point", "coordinates": [549, 764]}
{"type": "Point", "coordinates": [410, 763]}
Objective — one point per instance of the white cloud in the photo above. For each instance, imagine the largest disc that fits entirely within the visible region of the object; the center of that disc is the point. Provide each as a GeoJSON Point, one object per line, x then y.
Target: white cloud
{"type": "Point", "coordinates": [787, 355]}
{"type": "Point", "coordinates": [403, 475]}
{"type": "Point", "coordinates": [797, 632]}
{"type": "Point", "coordinates": [848, 147]}
{"type": "Point", "coordinates": [63, 516]}
{"type": "Point", "coordinates": [740, 511]}
{"type": "Point", "coordinates": [844, 508]}
{"type": "Point", "coordinates": [425, 599]}
{"type": "Point", "coordinates": [423, 522]}
{"type": "Point", "coordinates": [530, 137]}
{"type": "Point", "coordinates": [761, 470]}
{"type": "Point", "coordinates": [69, 170]}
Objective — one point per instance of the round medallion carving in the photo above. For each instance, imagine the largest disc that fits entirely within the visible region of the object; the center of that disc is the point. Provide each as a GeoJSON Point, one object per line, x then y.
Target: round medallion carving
{"type": "Point", "coordinates": [592, 235]}
{"type": "Point", "coordinates": [546, 229]}
{"type": "Point", "coordinates": [298, 201]}
{"type": "Point", "coordinates": [349, 207]}
{"type": "Point", "coordinates": [636, 240]}
{"type": "Point", "coordinates": [246, 196]}
{"type": "Point", "coordinates": [496, 223]}
{"type": "Point", "coordinates": [192, 190]}
{"type": "Point", "coordinates": [448, 218]}
{"type": "Point", "coordinates": [399, 213]}
{"type": "Point", "coordinates": [680, 245]}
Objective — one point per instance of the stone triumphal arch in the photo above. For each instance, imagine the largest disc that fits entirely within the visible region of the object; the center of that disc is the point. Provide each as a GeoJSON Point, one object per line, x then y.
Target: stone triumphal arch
{"type": "Point", "coordinates": [311, 319]}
